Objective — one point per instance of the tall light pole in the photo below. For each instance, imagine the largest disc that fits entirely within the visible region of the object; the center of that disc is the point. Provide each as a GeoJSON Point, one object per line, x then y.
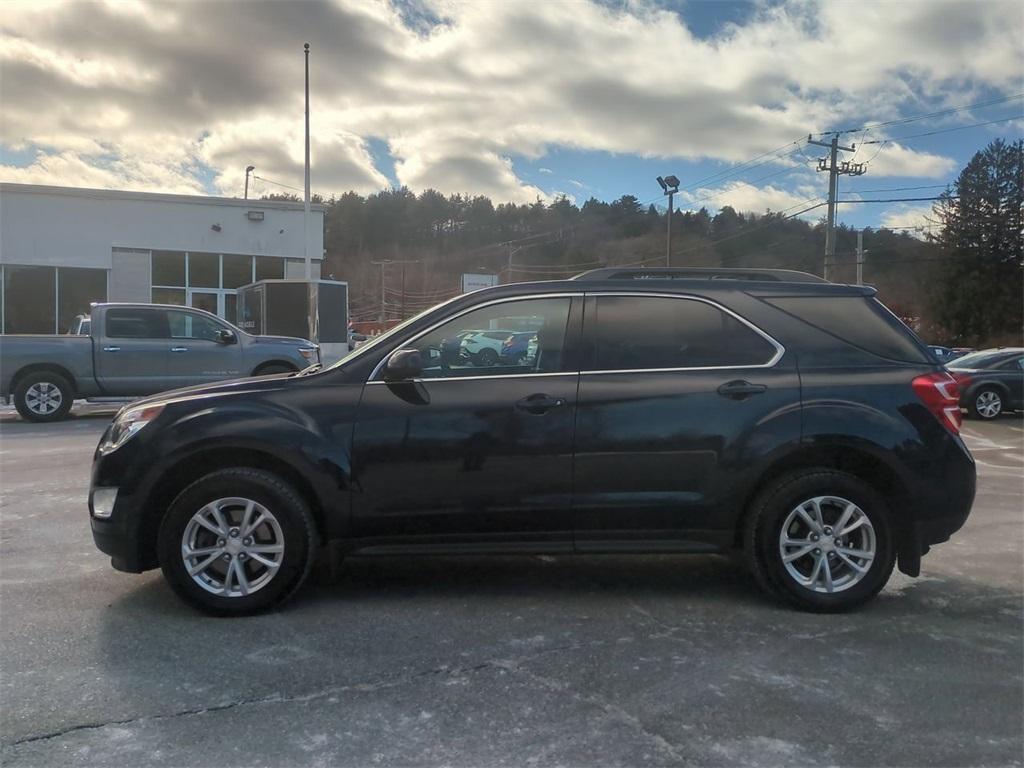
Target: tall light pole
{"type": "Point", "coordinates": [669, 185]}
{"type": "Point", "coordinates": [249, 169]}
{"type": "Point", "coordinates": [305, 217]}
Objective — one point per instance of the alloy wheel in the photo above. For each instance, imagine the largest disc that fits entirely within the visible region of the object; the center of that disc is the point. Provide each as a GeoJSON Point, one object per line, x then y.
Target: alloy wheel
{"type": "Point", "coordinates": [232, 547]}
{"type": "Point", "coordinates": [989, 404]}
{"type": "Point", "coordinates": [43, 398]}
{"type": "Point", "coordinates": [827, 544]}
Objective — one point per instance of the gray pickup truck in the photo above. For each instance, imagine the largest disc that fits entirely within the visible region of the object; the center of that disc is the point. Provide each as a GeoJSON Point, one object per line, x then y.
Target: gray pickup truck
{"type": "Point", "coordinates": [133, 350]}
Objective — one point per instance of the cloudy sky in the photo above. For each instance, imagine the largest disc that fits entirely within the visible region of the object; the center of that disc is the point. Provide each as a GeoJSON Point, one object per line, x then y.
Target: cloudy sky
{"type": "Point", "coordinates": [515, 100]}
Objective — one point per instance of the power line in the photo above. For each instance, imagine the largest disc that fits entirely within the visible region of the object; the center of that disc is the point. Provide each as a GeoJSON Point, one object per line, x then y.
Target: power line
{"type": "Point", "coordinates": [899, 189]}
{"type": "Point", "coordinates": [278, 183]}
{"type": "Point", "coordinates": [903, 199]}
{"type": "Point", "coordinates": [946, 130]}
{"type": "Point", "coordinates": [939, 113]}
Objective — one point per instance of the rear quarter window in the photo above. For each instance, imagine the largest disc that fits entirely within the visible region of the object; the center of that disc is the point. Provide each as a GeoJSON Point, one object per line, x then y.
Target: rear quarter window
{"type": "Point", "coordinates": [860, 321]}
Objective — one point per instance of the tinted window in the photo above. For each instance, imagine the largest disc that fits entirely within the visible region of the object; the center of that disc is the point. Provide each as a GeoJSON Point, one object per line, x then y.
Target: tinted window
{"type": "Point", "coordinates": [188, 325]}
{"type": "Point", "coordinates": [983, 359]}
{"type": "Point", "coordinates": [449, 351]}
{"type": "Point", "coordinates": [269, 268]}
{"type": "Point", "coordinates": [204, 270]}
{"type": "Point", "coordinates": [136, 324]}
{"type": "Point", "coordinates": [168, 268]}
{"type": "Point", "coordinates": [237, 270]}
{"type": "Point", "coordinates": [78, 289]}
{"type": "Point", "coordinates": [639, 332]}
{"type": "Point", "coordinates": [860, 321]}
{"type": "Point", "coordinates": [1013, 364]}
{"type": "Point", "coordinates": [30, 298]}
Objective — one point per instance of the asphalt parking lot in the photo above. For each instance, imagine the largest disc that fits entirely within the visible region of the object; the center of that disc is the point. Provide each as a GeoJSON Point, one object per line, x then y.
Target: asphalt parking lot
{"type": "Point", "coordinates": [509, 661]}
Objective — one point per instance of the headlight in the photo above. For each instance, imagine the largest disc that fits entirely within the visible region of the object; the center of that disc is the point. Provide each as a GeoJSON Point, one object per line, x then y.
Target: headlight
{"type": "Point", "coordinates": [127, 424]}
{"type": "Point", "coordinates": [310, 353]}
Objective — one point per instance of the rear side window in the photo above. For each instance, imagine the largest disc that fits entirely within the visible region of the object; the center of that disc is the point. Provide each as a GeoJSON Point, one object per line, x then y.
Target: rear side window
{"type": "Point", "coordinates": [136, 324]}
{"type": "Point", "coordinates": [860, 321]}
{"type": "Point", "coordinates": [645, 332]}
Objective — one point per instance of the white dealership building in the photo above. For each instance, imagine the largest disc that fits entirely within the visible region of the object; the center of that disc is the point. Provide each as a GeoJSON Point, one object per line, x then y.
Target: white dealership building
{"type": "Point", "coordinates": [63, 247]}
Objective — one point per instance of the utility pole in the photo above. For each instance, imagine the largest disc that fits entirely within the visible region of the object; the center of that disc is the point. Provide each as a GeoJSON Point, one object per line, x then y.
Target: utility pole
{"type": "Point", "coordinates": [835, 170]}
{"type": "Point", "coordinates": [860, 257]}
{"type": "Point", "coordinates": [305, 209]}
{"type": "Point", "coordinates": [669, 186]}
{"type": "Point", "coordinates": [382, 265]}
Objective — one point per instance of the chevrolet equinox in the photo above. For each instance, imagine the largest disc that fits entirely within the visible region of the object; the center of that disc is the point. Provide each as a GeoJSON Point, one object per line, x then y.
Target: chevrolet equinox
{"type": "Point", "coordinates": [767, 412]}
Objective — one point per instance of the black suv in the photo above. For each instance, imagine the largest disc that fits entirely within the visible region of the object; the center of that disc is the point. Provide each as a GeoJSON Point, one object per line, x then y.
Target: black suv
{"type": "Point", "coordinates": [702, 411]}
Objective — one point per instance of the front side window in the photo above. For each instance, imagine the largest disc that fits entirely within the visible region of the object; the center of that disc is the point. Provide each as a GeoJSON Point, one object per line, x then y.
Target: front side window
{"type": "Point", "coordinates": [188, 325]}
{"type": "Point", "coordinates": [510, 338]}
{"type": "Point", "coordinates": [650, 332]}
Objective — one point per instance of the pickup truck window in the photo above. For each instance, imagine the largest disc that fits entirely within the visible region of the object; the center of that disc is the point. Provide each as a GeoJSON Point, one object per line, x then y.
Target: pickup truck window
{"type": "Point", "coordinates": [136, 323]}
{"type": "Point", "coordinates": [188, 325]}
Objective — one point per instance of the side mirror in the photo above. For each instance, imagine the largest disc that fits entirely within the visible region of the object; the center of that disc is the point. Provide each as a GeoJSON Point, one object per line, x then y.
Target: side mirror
{"type": "Point", "coordinates": [224, 336]}
{"type": "Point", "coordinates": [403, 364]}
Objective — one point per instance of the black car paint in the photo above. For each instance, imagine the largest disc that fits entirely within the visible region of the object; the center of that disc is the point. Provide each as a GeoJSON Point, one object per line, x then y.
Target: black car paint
{"type": "Point", "coordinates": [627, 462]}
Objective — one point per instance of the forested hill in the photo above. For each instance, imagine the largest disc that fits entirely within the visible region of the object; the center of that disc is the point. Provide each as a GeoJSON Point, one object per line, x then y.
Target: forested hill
{"type": "Point", "coordinates": [441, 237]}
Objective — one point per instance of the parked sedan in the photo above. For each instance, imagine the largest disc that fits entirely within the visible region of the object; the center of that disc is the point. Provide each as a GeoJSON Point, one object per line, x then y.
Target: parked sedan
{"type": "Point", "coordinates": [991, 381]}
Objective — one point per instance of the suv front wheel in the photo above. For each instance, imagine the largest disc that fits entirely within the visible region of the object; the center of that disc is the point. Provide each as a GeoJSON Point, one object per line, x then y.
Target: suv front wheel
{"type": "Point", "coordinates": [821, 540]}
{"type": "Point", "coordinates": [237, 541]}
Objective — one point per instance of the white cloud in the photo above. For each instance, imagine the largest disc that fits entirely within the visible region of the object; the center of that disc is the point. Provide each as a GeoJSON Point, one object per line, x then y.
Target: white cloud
{"type": "Point", "coordinates": [903, 216]}
{"type": "Point", "coordinates": [151, 92]}
{"type": "Point", "coordinates": [748, 198]}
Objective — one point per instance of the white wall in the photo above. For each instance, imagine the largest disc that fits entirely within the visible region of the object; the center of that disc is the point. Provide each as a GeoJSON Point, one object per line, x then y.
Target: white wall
{"type": "Point", "coordinates": [59, 226]}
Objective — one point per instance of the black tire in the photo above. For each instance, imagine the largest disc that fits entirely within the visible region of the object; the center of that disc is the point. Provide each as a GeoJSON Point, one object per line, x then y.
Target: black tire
{"type": "Point", "coordinates": [487, 358]}
{"type": "Point", "coordinates": [288, 507]}
{"type": "Point", "coordinates": [763, 528]}
{"type": "Point", "coordinates": [53, 386]}
{"type": "Point", "coordinates": [991, 409]}
{"type": "Point", "coordinates": [272, 368]}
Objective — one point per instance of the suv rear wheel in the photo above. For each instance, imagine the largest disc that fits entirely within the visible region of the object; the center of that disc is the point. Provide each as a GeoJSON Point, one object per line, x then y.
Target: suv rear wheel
{"type": "Point", "coordinates": [237, 541]}
{"type": "Point", "coordinates": [821, 540]}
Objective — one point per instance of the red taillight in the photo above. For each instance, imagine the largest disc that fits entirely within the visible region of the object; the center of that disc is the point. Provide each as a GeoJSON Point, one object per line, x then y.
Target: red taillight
{"type": "Point", "coordinates": [941, 394]}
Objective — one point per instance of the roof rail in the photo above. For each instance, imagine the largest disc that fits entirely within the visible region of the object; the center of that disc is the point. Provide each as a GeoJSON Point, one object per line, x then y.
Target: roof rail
{"type": "Point", "coordinates": [701, 273]}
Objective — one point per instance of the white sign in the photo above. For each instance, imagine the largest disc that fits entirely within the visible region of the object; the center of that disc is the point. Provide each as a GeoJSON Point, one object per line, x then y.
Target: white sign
{"type": "Point", "coordinates": [471, 282]}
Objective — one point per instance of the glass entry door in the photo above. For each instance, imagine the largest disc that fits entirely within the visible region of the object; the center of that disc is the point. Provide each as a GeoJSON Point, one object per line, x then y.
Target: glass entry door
{"type": "Point", "coordinates": [208, 300]}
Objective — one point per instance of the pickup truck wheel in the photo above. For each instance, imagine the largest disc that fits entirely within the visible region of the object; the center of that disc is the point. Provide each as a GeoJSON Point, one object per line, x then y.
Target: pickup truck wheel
{"type": "Point", "coordinates": [820, 540]}
{"type": "Point", "coordinates": [43, 396]}
{"type": "Point", "coordinates": [237, 541]}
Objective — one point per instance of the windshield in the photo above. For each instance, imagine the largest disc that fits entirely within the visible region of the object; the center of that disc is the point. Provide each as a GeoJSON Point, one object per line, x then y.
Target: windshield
{"type": "Point", "coordinates": [386, 336]}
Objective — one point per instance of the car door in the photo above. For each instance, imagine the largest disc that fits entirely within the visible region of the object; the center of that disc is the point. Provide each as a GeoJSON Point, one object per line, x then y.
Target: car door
{"type": "Point", "coordinates": [131, 355]}
{"type": "Point", "coordinates": [673, 392]}
{"type": "Point", "coordinates": [1011, 373]}
{"type": "Point", "coordinates": [197, 353]}
{"type": "Point", "coordinates": [471, 454]}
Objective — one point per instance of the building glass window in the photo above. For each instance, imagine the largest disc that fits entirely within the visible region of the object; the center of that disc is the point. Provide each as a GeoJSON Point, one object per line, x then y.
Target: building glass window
{"type": "Point", "coordinates": [30, 299]}
{"type": "Point", "coordinates": [174, 296]}
{"type": "Point", "coordinates": [269, 268]}
{"type": "Point", "coordinates": [77, 288]}
{"type": "Point", "coordinates": [237, 270]}
{"type": "Point", "coordinates": [203, 270]}
{"type": "Point", "coordinates": [168, 268]}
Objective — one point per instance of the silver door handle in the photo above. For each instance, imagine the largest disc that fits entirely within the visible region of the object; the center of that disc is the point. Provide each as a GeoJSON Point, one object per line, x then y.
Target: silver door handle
{"type": "Point", "coordinates": [179, 349]}
{"type": "Point", "coordinates": [111, 349]}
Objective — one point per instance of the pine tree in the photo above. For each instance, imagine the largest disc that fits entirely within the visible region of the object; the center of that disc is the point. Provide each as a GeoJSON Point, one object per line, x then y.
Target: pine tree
{"type": "Point", "coordinates": [979, 297]}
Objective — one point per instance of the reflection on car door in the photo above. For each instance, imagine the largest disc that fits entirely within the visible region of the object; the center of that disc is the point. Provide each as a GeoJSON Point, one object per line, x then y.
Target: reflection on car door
{"type": "Point", "coordinates": [197, 356]}
{"type": "Point", "coordinates": [468, 453]}
{"type": "Point", "coordinates": [669, 389]}
{"type": "Point", "coordinates": [131, 355]}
